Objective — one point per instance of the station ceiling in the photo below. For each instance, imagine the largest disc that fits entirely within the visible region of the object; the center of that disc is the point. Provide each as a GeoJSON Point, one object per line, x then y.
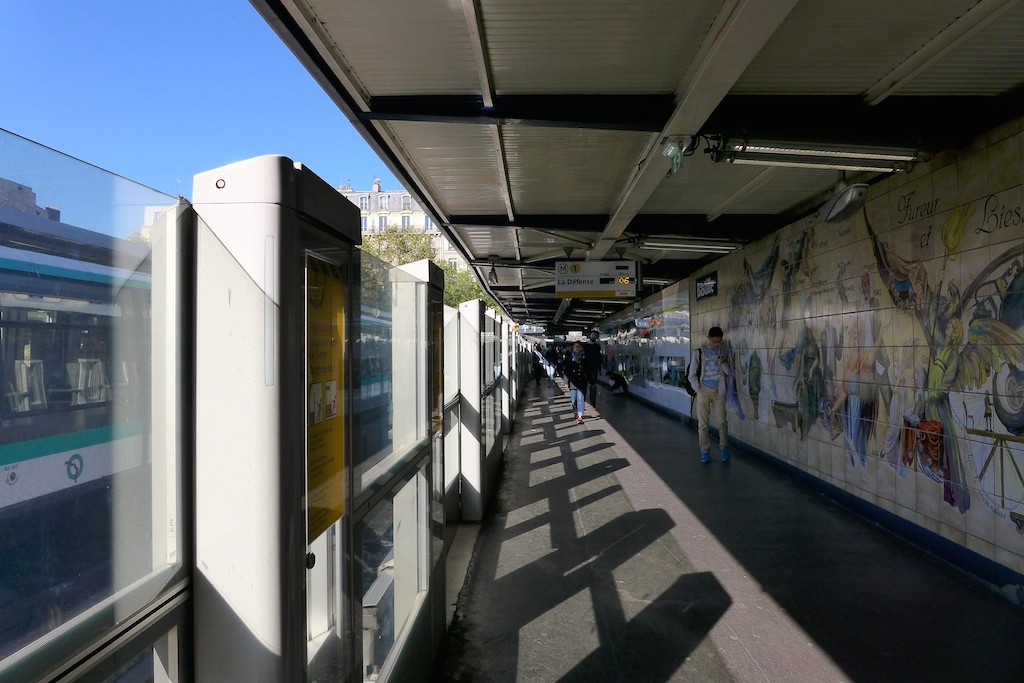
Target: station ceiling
{"type": "Point", "coordinates": [536, 131]}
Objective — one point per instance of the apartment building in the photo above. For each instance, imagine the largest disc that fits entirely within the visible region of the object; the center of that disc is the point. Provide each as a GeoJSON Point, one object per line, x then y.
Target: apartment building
{"type": "Point", "coordinates": [380, 208]}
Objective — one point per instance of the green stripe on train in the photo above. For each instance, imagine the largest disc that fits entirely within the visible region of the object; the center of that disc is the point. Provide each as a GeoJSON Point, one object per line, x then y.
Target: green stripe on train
{"type": "Point", "coordinates": [61, 443]}
{"type": "Point", "coordinates": [83, 275]}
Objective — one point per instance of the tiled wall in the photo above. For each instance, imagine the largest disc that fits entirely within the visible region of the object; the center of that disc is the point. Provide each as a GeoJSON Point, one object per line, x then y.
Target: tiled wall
{"type": "Point", "coordinates": [885, 354]}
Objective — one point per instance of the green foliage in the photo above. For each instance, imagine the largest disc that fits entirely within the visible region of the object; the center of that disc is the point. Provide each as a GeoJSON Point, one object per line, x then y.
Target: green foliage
{"type": "Point", "coordinates": [399, 246]}
{"type": "Point", "coordinates": [460, 286]}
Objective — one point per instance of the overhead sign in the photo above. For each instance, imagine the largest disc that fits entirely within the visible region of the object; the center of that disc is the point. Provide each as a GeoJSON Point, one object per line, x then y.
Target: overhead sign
{"type": "Point", "coordinates": [595, 279]}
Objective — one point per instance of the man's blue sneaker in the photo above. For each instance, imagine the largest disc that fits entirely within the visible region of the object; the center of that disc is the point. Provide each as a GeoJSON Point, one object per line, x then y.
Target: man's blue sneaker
{"type": "Point", "coordinates": [725, 455]}
{"type": "Point", "coordinates": [705, 457]}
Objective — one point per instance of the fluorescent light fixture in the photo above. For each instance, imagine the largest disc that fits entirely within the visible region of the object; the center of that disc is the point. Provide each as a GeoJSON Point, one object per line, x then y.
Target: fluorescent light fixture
{"type": "Point", "coordinates": [689, 246]}
{"type": "Point", "coordinates": [811, 155]}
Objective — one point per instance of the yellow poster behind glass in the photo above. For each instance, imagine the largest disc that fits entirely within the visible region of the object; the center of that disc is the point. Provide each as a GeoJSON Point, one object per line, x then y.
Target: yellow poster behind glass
{"type": "Point", "coordinates": [325, 433]}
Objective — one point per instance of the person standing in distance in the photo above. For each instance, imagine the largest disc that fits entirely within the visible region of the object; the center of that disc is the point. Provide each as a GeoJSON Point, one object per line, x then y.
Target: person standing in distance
{"type": "Point", "coordinates": [592, 366]}
{"type": "Point", "coordinates": [710, 364]}
{"type": "Point", "coordinates": [576, 380]}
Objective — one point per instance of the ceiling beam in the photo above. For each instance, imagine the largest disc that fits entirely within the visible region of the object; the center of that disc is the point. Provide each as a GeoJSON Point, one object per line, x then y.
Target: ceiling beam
{"type": "Point", "coordinates": [898, 121]}
{"type": "Point", "coordinates": [611, 112]}
{"type": "Point", "coordinates": [739, 33]}
{"type": "Point", "coordinates": [478, 44]}
{"type": "Point", "coordinates": [960, 30]}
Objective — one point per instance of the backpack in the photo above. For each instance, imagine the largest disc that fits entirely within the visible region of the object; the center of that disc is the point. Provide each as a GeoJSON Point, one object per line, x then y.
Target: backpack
{"type": "Point", "coordinates": [686, 377]}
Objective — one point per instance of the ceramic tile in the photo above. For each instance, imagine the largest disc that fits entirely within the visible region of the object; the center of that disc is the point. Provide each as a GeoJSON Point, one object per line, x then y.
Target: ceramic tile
{"type": "Point", "coordinates": [972, 172]}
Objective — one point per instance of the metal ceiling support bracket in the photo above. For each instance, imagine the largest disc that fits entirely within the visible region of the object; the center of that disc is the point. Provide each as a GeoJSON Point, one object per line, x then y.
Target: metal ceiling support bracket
{"type": "Point", "coordinates": [741, 30]}
{"type": "Point", "coordinates": [506, 189]}
{"type": "Point", "coordinates": [478, 44]}
{"type": "Point", "coordinates": [960, 30]}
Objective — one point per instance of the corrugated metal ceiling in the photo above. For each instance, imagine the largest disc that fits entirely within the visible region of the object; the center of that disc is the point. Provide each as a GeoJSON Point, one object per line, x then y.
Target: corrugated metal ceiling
{"type": "Point", "coordinates": [533, 129]}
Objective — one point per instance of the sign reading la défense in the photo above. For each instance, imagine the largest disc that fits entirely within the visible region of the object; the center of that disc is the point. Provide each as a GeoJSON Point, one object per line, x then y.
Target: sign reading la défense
{"type": "Point", "coordinates": [595, 279]}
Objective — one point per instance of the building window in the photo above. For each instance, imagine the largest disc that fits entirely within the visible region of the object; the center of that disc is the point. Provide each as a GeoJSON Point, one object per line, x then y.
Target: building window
{"type": "Point", "coordinates": [363, 220]}
{"type": "Point", "coordinates": [427, 223]}
{"type": "Point", "coordinates": [364, 203]}
{"type": "Point", "coordinates": [406, 203]}
{"type": "Point", "coordinates": [382, 222]}
{"type": "Point", "coordinates": [382, 202]}
{"type": "Point", "coordinates": [406, 221]}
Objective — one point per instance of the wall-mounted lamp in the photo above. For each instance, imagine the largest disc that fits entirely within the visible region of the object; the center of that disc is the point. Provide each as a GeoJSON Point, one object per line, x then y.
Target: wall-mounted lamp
{"type": "Point", "coordinates": [844, 203]}
{"type": "Point", "coordinates": [810, 155]}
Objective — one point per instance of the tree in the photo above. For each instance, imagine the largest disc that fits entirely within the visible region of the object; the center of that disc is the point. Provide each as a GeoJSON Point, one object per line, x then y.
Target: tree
{"type": "Point", "coordinates": [399, 246]}
{"type": "Point", "coordinates": [460, 286]}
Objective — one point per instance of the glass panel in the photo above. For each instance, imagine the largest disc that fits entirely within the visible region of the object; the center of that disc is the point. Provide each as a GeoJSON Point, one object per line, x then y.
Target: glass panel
{"type": "Point", "coordinates": [90, 513]}
{"type": "Point", "coordinates": [372, 436]}
{"type": "Point", "coordinates": [159, 654]}
{"type": "Point", "coordinates": [328, 601]}
{"type": "Point", "coordinates": [394, 573]}
{"type": "Point", "coordinates": [451, 354]}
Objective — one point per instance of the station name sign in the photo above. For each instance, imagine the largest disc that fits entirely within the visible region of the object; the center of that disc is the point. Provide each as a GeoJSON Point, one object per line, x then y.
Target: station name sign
{"type": "Point", "coordinates": [707, 285]}
{"type": "Point", "coordinates": [595, 279]}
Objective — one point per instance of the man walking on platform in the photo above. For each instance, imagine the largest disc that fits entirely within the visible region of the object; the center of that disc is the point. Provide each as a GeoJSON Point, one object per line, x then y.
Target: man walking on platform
{"type": "Point", "coordinates": [709, 366]}
{"type": "Point", "coordinates": [592, 366]}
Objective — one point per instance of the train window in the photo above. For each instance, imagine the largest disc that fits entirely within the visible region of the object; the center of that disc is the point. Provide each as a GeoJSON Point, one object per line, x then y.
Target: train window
{"type": "Point", "coordinates": [54, 360]}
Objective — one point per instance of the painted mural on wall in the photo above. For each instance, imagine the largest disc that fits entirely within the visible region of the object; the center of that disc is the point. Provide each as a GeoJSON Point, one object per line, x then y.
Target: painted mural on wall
{"type": "Point", "coordinates": [897, 336]}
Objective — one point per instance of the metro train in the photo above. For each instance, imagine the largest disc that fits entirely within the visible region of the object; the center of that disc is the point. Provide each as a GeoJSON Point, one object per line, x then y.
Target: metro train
{"type": "Point", "coordinates": [74, 399]}
{"type": "Point", "coordinates": [76, 512]}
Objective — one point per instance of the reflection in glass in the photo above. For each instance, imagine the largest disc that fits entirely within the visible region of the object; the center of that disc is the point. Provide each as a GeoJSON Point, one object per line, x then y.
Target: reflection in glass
{"type": "Point", "coordinates": [393, 564]}
{"type": "Point", "coordinates": [372, 413]}
{"type": "Point", "coordinates": [89, 508]}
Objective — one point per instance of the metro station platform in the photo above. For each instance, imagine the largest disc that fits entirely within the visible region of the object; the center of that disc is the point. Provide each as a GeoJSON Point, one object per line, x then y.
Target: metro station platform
{"type": "Point", "coordinates": [612, 554]}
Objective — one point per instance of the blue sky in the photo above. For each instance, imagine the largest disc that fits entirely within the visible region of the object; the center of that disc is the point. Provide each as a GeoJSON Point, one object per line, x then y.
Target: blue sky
{"type": "Point", "coordinates": [159, 90]}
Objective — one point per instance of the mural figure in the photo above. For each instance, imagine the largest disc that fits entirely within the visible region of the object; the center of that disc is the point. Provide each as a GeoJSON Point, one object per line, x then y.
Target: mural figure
{"type": "Point", "coordinates": [752, 373]}
{"type": "Point", "coordinates": [803, 363]}
{"type": "Point", "coordinates": [864, 378]}
{"type": "Point", "coordinates": [906, 407]}
{"type": "Point", "coordinates": [854, 403]}
{"type": "Point", "coordinates": [828, 346]}
{"type": "Point", "coordinates": [958, 361]}
{"type": "Point", "coordinates": [756, 285]}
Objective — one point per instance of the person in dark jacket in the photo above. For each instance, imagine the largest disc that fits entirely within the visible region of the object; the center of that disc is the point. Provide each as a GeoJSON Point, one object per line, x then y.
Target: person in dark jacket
{"type": "Point", "coordinates": [592, 366]}
{"type": "Point", "coordinates": [617, 383]}
{"type": "Point", "coordinates": [538, 363]}
{"type": "Point", "coordinates": [576, 379]}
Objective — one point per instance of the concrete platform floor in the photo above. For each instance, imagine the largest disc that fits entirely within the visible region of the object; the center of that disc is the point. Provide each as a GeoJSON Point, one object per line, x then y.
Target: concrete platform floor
{"type": "Point", "coordinates": [612, 554]}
